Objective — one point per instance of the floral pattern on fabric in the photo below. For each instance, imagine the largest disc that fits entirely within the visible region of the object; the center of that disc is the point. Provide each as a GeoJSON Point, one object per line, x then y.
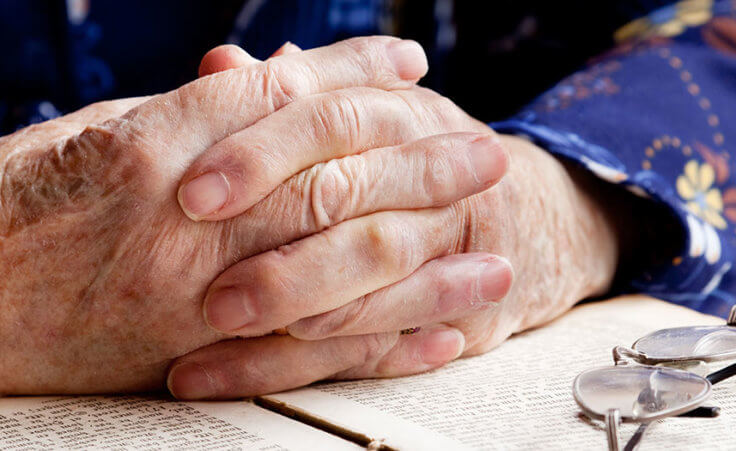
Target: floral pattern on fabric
{"type": "Point", "coordinates": [666, 134]}
{"type": "Point", "coordinates": [670, 21]}
{"type": "Point", "coordinates": [695, 187]}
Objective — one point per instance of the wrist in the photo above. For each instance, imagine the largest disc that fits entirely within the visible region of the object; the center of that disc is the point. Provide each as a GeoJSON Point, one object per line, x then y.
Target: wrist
{"type": "Point", "coordinates": [598, 228]}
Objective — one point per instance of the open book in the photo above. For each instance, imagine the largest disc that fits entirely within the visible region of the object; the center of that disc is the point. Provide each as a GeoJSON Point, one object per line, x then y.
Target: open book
{"type": "Point", "coordinates": [515, 397]}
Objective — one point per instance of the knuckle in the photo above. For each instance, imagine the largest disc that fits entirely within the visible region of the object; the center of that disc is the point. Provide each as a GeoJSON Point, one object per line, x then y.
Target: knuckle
{"type": "Point", "coordinates": [367, 45]}
{"type": "Point", "coordinates": [435, 112]}
{"type": "Point", "coordinates": [72, 173]}
{"type": "Point", "coordinates": [246, 375]}
{"type": "Point", "coordinates": [186, 98]}
{"type": "Point", "coordinates": [375, 346]}
{"type": "Point", "coordinates": [413, 103]}
{"type": "Point", "coordinates": [279, 84]}
{"type": "Point", "coordinates": [439, 113]}
{"type": "Point", "coordinates": [443, 103]}
{"type": "Point", "coordinates": [440, 170]}
{"type": "Point", "coordinates": [449, 115]}
{"type": "Point", "coordinates": [350, 315]}
{"type": "Point", "coordinates": [337, 116]}
{"type": "Point", "coordinates": [445, 282]}
{"type": "Point", "coordinates": [390, 248]}
{"type": "Point", "coordinates": [363, 44]}
{"type": "Point", "coordinates": [247, 158]}
{"type": "Point", "coordinates": [127, 157]}
{"type": "Point", "coordinates": [268, 279]}
{"type": "Point", "coordinates": [334, 190]}
{"type": "Point", "coordinates": [331, 323]}
{"type": "Point", "coordinates": [464, 227]}
{"type": "Point", "coordinates": [368, 52]}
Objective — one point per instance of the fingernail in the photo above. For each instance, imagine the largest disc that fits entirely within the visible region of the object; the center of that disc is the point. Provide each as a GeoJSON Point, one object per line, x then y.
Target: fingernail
{"type": "Point", "coordinates": [442, 346]}
{"type": "Point", "coordinates": [191, 381]}
{"type": "Point", "coordinates": [494, 280]}
{"type": "Point", "coordinates": [408, 59]}
{"type": "Point", "coordinates": [488, 159]}
{"type": "Point", "coordinates": [228, 310]}
{"type": "Point", "coordinates": [204, 195]}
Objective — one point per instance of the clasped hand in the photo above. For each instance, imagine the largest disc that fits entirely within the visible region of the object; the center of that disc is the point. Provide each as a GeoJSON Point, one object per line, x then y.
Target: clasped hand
{"type": "Point", "coordinates": [320, 192]}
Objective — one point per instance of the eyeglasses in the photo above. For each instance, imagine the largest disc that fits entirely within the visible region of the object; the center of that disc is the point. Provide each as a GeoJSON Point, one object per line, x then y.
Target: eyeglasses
{"type": "Point", "coordinates": [639, 389]}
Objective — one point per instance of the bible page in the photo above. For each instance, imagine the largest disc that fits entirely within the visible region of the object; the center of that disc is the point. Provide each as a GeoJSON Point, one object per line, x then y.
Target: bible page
{"type": "Point", "coordinates": [140, 423]}
{"type": "Point", "coordinates": [519, 396]}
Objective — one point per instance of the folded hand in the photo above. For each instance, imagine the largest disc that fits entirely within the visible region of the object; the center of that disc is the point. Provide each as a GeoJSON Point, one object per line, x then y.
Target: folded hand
{"type": "Point", "coordinates": [338, 291]}
{"type": "Point", "coordinates": [104, 276]}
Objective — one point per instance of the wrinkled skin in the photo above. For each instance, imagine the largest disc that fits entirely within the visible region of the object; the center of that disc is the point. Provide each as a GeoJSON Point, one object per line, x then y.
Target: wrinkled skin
{"type": "Point", "coordinates": [77, 219]}
{"type": "Point", "coordinates": [103, 275]}
{"type": "Point", "coordinates": [549, 221]}
{"type": "Point", "coordinates": [552, 222]}
{"type": "Point", "coordinates": [559, 239]}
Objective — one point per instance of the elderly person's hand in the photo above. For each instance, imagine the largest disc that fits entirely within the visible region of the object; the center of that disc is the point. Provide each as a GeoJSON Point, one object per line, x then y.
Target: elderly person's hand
{"type": "Point", "coordinates": [389, 271]}
{"type": "Point", "coordinates": [103, 276]}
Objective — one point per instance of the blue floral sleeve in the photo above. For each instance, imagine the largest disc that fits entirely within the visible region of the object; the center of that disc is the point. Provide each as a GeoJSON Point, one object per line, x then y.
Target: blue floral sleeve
{"type": "Point", "coordinates": [657, 115]}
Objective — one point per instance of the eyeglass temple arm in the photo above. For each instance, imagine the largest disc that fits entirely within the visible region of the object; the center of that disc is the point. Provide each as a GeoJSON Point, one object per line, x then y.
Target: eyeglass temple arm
{"type": "Point", "coordinates": [722, 374]}
{"type": "Point", "coordinates": [702, 412]}
{"type": "Point", "coordinates": [623, 355]}
{"type": "Point", "coordinates": [620, 357]}
{"type": "Point", "coordinates": [612, 420]}
{"type": "Point", "coordinates": [635, 439]}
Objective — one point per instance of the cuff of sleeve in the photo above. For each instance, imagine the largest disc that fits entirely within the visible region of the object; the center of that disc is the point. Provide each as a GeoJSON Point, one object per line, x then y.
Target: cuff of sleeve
{"type": "Point", "coordinates": [695, 275]}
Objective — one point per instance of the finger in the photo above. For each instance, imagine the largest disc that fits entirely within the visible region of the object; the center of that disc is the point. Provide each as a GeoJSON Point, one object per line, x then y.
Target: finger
{"type": "Point", "coordinates": [285, 49]}
{"type": "Point", "coordinates": [441, 290]}
{"type": "Point", "coordinates": [239, 368]}
{"type": "Point", "coordinates": [197, 115]}
{"type": "Point", "coordinates": [224, 57]}
{"type": "Point", "coordinates": [430, 172]}
{"type": "Point", "coordinates": [329, 269]}
{"type": "Point", "coordinates": [239, 171]}
{"type": "Point", "coordinates": [486, 332]}
{"type": "Point", "coordinates": [257, 366]}
{"type": "Point", "coordinates": [430, 348]}
{"type": "Point", "coordinates": [229, 56]}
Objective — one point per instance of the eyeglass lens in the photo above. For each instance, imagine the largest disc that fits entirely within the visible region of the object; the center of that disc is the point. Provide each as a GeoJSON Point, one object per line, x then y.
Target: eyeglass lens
{"type": "Point", "coordinates": [639, 393]}
{"type": "Point", "coordinates": [684, 342]}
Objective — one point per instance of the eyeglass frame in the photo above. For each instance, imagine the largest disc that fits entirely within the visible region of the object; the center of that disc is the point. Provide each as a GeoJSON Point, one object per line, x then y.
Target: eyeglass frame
{"type": "Point", "coordinates": [623, 355]}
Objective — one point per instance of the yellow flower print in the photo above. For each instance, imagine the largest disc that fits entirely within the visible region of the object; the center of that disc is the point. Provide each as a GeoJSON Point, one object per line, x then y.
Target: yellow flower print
{"type": "Point", "coordinates": [668, 21]}
{"type": "Point", "coordinates": [695, 186]}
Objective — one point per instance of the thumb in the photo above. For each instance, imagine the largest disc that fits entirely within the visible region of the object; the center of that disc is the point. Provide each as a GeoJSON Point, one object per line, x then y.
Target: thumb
{"type": "Point", "coordinates": [230, 56]}
{"type": "Point", "coordinates": [224, 57]}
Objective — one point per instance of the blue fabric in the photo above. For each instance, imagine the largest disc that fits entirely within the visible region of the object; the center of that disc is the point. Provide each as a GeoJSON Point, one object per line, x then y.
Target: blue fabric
{"type": "Point", "coordinates": [656, 114]}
